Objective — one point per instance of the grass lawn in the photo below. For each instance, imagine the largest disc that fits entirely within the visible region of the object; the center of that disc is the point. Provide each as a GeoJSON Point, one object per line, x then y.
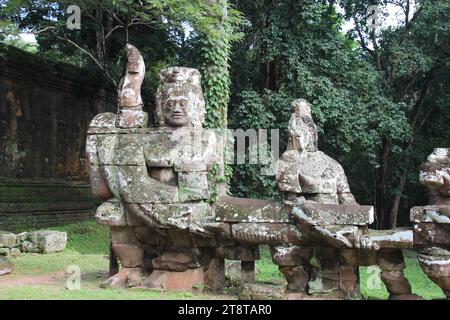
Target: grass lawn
{"type": "Point", "coordinates": [44, 276]}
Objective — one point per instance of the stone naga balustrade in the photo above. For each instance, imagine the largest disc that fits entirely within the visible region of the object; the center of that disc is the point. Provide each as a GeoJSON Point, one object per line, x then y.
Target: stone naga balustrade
{"type": "Point", "coordinates": [167, 233]}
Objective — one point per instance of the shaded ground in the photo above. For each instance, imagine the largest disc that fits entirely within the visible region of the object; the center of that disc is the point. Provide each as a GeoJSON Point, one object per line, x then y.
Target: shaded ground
{"type": "Point", "coordinates": [45, 276]}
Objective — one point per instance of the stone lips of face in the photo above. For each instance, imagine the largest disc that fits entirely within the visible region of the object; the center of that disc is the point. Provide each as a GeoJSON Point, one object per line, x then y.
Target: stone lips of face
{"type": "Point", "coordinates": [179, 100]}
{"type": "Point", "coordinates": [435, 172]}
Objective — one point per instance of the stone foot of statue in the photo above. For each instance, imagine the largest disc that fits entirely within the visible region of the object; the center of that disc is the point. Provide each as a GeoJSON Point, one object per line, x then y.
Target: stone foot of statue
{"type": "Point", "coordinates": [127, 277]}
{"type": "Point", "coordinates": [189, 280]}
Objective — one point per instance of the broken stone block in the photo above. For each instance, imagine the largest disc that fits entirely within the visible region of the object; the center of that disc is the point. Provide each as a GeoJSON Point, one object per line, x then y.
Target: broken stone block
{"type": "Point", "coordinates": [42, 241]}
{"type": "Point", "coordinates": [5, 252]}
{"type": "Point", "coordinates": [251, 291]}
{"type": "Point", "coordinates": [7, 239]}
{"type": "Point", "coordinates": [191, 279]}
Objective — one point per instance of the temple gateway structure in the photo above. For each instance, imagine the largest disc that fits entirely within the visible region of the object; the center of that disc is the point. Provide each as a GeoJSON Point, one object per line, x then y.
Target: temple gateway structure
{"type": "Point", "coordinates": [167, 232]}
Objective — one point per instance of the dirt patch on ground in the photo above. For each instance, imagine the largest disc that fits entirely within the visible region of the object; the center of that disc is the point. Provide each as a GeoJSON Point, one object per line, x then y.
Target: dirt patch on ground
{"type": "Point", "coordinates": [50, 278]}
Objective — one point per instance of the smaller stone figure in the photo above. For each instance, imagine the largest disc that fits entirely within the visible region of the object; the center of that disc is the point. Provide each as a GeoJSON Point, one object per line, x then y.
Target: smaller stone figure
{"type": "Point", "coordinates": [326, 213]}
{"type": "Point", "coordinates": [432, 222]}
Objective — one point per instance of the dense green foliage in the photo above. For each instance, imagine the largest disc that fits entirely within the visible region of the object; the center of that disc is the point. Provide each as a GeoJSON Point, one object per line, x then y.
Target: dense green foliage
{"type": "Point", "coordinates": [380, 100]}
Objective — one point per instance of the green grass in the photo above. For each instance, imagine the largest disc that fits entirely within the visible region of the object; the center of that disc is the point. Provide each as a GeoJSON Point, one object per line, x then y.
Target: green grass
{"type": "Point", "coordinates": [88, 248]}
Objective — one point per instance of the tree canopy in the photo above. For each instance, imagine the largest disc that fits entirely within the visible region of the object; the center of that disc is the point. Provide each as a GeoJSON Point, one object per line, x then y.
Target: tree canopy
{"type": "Point", "coordinates": [380, 98]}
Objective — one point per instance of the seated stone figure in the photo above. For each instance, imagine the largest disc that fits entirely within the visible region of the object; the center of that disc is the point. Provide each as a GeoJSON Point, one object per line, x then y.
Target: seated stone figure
{"type": "Point", "coordinates": [305, 170]}
{"type": "Point", "coordinates": [155, 179]}
{"type": "Point", "coordinates": [432, 222]}
{"type": "Point", "coordinates": [326, 213]}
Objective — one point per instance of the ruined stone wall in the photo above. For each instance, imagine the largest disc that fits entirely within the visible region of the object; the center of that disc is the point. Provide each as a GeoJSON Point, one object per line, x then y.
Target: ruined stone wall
{"type": "Point", "coordinates": [44, 113]}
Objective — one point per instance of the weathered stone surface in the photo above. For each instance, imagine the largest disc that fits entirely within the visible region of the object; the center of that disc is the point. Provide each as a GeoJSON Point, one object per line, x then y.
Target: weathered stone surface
{"type": "Point", "coordinates": [175, 261]}
{"type": "Point", "coordinates": [111, 213]}
{"type": "Point", "coordinates": [355, 257]}
{"type": "Point", "coordinates": [232, 273]}
{"type": "Point", "coordinates": [242, 253]}
{"type": "Point", "coordinates": [435, 213]}
{"type": "Point", "coordinates": [43, 241]}
{"type": "Point", "coordinates": [5, 252]}
{"type": "Point", "coordinates": [130, 255]}
{"type": "Point", "coordinates": [131, 118]}
{"type": "Point", "coordinates": [395, 282]}
{"type": "Point", "coordinates": [429, 234]}
{"type": "Point", "coordinates": [192, 186]}
{"type": "Point", "coordinates": [324, 283]}
{"type": "Point", "coordinates": [247, 272]}
{"type": "Point", "coordinates": [252, 291]}
{"type": "Point", "coordinates": [332, 214]}
{"type": "Point", "coordinates": [215, 275]}
{"type": "Point", "coordinates": [127, 277]}
{"type": "Point", "coordinates": [267, 233]}
{"type": "Point", "coordinates": [305, 170]}
{"type": "Point", "coordinates": [191, 279]}
{"type": "Point", "coordinates": [297, 278]}
{"type": "Point", "coordinates": [435, 262]}
{"type": "Point", "coordinates": [135, 186]}
{"type": "Point", "coordinates": [325, 259]}
{"type": "Point", "coordinates": [391, 260]}
{"type": "Point", "coordinates": [7, 239]}
{"type": "Point", "coordinates": [349, 283]}
{"type": "Point", "coordinates": [179, 99]}
{"type": "Point", "coordinates": [231, 209]}
{"type": "Point", "coordinates": [288, 256]}
{"type": "Point", "coordinates": [149, 236]}
{"type": "Point", "coordinates": [401, 238]}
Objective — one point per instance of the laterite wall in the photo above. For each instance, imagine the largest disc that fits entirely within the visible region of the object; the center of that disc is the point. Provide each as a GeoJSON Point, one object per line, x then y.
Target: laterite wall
{"type": "Point", "coordinates": [44, 113]}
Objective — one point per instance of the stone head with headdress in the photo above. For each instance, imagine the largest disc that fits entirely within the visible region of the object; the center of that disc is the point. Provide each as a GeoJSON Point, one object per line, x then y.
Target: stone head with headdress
{"type": "Point", "coordinates": [179, 99]}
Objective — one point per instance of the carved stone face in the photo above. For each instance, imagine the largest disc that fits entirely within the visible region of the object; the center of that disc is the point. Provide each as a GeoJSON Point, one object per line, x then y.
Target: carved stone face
{"type": "Point", "coordinates": [179, 100]}
{"type": "Point", "coordinates": [302, 129]}
{"type": "Point", "coordinates": [176, 111]}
